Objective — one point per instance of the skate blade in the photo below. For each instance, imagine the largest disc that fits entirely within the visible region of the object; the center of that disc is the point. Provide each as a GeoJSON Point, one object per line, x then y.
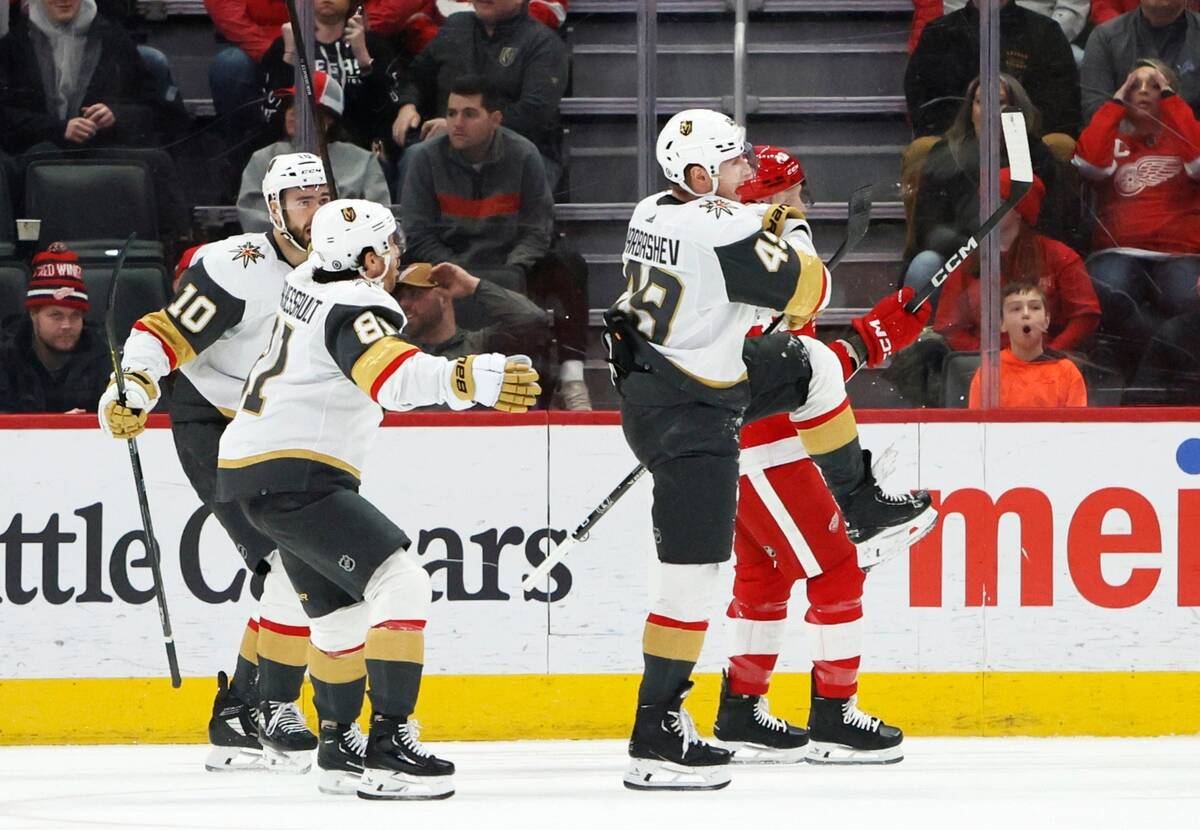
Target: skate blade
{"type": "Point", "coordinates": [339, 782]}
{"type": "Point", "coordinates": [648, 774]}
{"type": "Point", "coordinates": [891, 543]}
{"type": "Point", "coordinates": [828, 753]}
{"type": "Point", "coordinates": [747, 753]}
{"type": "Point", "coordinates": [287, 763]}
{"type": "Point", "coordinates": [385, 785]}
{"type": "Point", "coordinates": [234, 759]}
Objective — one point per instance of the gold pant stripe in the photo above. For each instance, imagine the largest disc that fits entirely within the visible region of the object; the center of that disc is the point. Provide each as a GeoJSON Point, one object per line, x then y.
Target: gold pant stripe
{"type": "Point", "coordinates": [249, 648]}
{"type": "Point", "coordinates": [832, 435]}
{"type": "Point", "coordinates": [397, 646]}
{"type": "Point", "coordinates": [286, 649]}
{"type": "Point", "coordinates": [372, 363]}
{"type": "Point", "coordinates": [345, 668]}
{"type": "Point", "coordinates": [163, 327]}
{"type": "Point", "coordinates": [672, 643]}
{"type": "Point", "coordinates": [274, 455]}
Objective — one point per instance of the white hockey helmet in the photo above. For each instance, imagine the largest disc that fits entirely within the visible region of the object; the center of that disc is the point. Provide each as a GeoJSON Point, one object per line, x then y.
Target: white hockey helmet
{"type": "Point", "coordinates": [703, 137]}
{"type": "Point", "coordinates": [343, 228]}
{"type": "Point", "coordinates": [285, 171]}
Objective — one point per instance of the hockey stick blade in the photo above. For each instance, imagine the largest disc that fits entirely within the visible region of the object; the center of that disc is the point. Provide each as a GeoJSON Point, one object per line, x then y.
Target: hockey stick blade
{"type": "Point", "coordinates": [580, 533]}
{"type": "Point", "coordinates": [1016, 144]}
{"type": "Point", "coordinates": [152, 550]}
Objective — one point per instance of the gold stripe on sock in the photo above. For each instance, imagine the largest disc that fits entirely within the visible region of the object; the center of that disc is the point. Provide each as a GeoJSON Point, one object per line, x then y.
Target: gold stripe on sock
{"type": "Point", "coordinates": [249, 647]}
{"type": "Point", "coordinates": [344, 668]}
{"type": "Point", "coordinates": [396, 645]}
{"type": "Point", "coordinates": [832, 435]}
{"type": "Point", "coordinates": [287, 649]}
{"type": "Point", "coordinates": [672, 643]}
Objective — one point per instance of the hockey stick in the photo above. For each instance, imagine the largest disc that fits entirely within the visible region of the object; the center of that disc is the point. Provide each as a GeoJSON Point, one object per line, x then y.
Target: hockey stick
{"type": "Point", "coordinates": [1016, 142]}
{"type": "Point", "coordinates": [306, 78]}
{"type": "Point", "coordinates": [858, 221]}
{"type": "Point", "coordinates": [152, 549]}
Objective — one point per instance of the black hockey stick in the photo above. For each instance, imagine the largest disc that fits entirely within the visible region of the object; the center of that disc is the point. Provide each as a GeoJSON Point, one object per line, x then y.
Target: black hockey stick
{"type": "Point", "coordinates": [1016, 143]}
{"type": "Point", "coordinates": [858, 221]}
{"type": "Point", "coordinates": [306, 77]}
{"type": "Point", "coordinates": [152, 549]}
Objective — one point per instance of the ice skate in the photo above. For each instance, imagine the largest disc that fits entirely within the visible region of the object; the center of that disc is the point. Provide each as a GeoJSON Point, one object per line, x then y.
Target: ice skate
{"type": "Point", "coordinates": [882, 525]}
{"type": "Point", "coordinates": [666, 752]}
{"type": "Point", "coordinates": [286, 739]}
{"type": "Point", "coordinates": [231, 731]}
{"type": "Point", "coordinates": [398, 767]}
{"type": "Point", "coordinates": [841, 733]}
{"type": "Point", "coordinates": [340, 758]}
{"type": "Point", "coordinates": [746, 727]}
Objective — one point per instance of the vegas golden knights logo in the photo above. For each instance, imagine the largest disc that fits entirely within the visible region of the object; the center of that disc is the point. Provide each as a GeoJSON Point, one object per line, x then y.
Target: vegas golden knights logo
{"type": "Point", "coordinates": [507, 55]}
{"type": "Point", "coordinates": [685, 127]}
{"type": "Point", "coordinates": [348, 214]}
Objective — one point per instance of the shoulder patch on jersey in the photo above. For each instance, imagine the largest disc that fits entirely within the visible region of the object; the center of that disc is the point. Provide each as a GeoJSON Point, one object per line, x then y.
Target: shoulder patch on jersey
{"type": "Point", "coordinates": [716, 208]}
{"type": "Point", "coordinates": [248, 253]}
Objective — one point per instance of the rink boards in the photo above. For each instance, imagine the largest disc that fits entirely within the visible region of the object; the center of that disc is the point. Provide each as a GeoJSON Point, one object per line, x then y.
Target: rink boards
{"type": "Point", "coordinates": [1059, 598]}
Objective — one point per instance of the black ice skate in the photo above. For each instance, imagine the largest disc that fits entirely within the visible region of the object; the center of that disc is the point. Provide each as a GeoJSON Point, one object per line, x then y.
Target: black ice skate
{"type": "Point", "coordinates": [232, 733]}
{"type": "Point", "coordinates": [840, 733]}
{"type": "Point", "coordinates": [340, 758]}
{"type": "Point", "coordinates": [286, 739]}
{"type": "Point", "coordinates": [398, 766]}
{"type": "Point", "coordinates": [882, 525]}
{"type": "Point", "coordinates": [666, 752]}
{"type": "Point", "coordinates": [746, 726]}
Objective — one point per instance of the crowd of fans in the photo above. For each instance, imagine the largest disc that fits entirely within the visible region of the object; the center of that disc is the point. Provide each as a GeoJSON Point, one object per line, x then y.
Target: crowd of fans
{"type": "Point", "coordinates": [451, 110]}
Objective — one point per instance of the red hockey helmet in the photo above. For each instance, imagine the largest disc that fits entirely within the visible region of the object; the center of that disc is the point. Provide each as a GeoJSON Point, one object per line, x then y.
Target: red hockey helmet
{"type": "Point", "coordinates": [777, 171]}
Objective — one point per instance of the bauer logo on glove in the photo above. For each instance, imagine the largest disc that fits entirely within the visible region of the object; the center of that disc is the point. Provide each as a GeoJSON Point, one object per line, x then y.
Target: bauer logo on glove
{"type": "Point", "coordinates": [127, 419]}
{"type": "Point", "coordinates": [508, 384]}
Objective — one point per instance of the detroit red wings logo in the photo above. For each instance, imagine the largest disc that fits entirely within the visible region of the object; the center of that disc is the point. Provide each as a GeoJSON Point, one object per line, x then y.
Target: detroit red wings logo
{"type": "Point", "coordinates": [1148, 171]}
{"type": "Point", "coordinates": [248, 253]}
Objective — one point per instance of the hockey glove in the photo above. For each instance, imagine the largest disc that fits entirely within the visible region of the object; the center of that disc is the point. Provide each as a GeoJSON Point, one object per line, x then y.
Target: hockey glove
{"type": "Point", "coordinates": [127, 420]}
{"type": "Point", "coordinates": [888, 327]}
{"type": "Point", "coordinates": [505, 383]}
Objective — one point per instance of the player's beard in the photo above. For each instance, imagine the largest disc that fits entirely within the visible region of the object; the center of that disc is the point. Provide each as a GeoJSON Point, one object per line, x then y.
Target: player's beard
{"type": "Point", "coordinates": [303, 236]}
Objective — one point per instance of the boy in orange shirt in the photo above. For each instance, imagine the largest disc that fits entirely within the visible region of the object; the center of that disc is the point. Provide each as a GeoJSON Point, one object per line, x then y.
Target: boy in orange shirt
{"type": "Point", "coordinates": [1031, 376]}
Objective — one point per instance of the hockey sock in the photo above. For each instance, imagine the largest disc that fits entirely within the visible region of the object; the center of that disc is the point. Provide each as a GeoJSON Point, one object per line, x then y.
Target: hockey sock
{"type": "Point", "coordinates": [246, 673]}
{"type": "Point", "coordinates": [282, 659]}
{"type": "Point", "coordinates": [834, 628]}
{"type": "Point", "coordinates": [670, 649]}
{"type": "Point", "coordinates": [756, 646]}
{"type": "Point", "coordinates": [832, 441]}
{"type": "Point", "coordinates": [339, 680]}
{"type": "Point", "coordinates": [750, 674]}
{"type": "Point", "coordinates": [395, 655]}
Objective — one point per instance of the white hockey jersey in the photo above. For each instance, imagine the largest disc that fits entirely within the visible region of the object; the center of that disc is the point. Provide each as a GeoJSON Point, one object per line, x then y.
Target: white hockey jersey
{"type": "Point", "coordinates": [699, 271]}
{"type": "Point", "coordinates": [316, 395]}
{"type": "Point", "coordinates": [216, 326]}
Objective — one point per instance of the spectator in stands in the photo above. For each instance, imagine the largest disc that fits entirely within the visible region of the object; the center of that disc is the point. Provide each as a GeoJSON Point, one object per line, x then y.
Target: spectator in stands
{"type": "Point", "coordinates": [525, 61]}
{"type": "Point", "coordinates": [1105, 10]}
{"type": "Point", "coordinates": [1162, 29]}
{"type": "Point", "coordinates": [1031, 375]}
{"type": "Point", "coordinates": [1067, 296]}
{"type": "Point", "coordinates": [1033, 50]}
{"type": "Point", "coordinates": [1169, 374]}
{"type": "Point", "coordinates": [515, 325]}
{"type": "Point", "coordinates": [71, 78]}
{"type": "Point", "coordinates": [50, 360]}
{"type": "Point", "coordinates": [360, 61]}
{"type": "Point", "coordinates": [1070, 15]}
{"type": "Point", "coordinates": [423, 27]}
{"type": "Point", "coordinates": [358, 173]}
{"type": "Point", "coordinates": [477, 196]}
{"type": "Point", "coordinates": [1142, 151]}
{"type": "Point", "coordinates": [945, 203]}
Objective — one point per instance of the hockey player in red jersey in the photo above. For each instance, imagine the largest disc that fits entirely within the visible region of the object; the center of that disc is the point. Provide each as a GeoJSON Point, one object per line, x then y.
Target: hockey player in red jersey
{"type": "Point", "coordinates": [789, 527]}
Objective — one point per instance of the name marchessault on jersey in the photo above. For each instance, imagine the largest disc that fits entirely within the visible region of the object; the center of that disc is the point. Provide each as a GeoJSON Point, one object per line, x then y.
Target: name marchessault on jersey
{"type": "Point", "coordinates": [662, 250]}
{"type": "Point", "coordinates": [298, 304]}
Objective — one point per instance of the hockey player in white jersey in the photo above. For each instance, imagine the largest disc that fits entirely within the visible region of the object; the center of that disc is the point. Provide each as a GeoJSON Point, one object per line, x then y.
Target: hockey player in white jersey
{"type": "Point", "coordinates": [291, 459]}
{"type": "Point", "coordinates": [700, 267]}
{"type": "Point", "coordinates": [208, 338]}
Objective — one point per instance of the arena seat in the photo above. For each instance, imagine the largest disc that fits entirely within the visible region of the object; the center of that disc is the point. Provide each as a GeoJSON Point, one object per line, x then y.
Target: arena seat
{"type": "Point", "coordinates": [958, 369]}
{"type": "Point", "coordinates": [14, 280]}
{"type": "Point", "coordinates": [142, 289]}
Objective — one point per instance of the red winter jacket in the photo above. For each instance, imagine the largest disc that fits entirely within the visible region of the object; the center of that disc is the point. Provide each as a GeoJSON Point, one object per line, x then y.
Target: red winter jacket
{"type": "Point", "coordinates": [1149, 186]}
{"type": "Point", "coordinates": [254, 24]}
{"type": "Point", "coordinates": [1105, 10]}
{"type": "Point", "coordinates": [1070, 301]}
{"type": "Point", "coordinates": [923, 12]}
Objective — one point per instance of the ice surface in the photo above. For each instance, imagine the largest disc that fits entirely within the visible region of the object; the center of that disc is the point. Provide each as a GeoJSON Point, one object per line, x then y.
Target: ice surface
{"type": "Point", "coordinates": [969, 783]}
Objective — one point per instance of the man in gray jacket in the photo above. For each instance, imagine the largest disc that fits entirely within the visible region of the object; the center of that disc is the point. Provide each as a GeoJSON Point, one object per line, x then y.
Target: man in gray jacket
{"type": "Point", "coordinates": [477, 196]}
{"type": "Point", "coordinates": [1163, 29]}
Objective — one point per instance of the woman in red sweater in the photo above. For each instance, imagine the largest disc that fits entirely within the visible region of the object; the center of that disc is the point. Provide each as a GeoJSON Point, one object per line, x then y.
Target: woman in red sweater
{"type": "Point", "coordinates": [1025, 256]}
{"type": "Point", "coordinates": [1142, 152]}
